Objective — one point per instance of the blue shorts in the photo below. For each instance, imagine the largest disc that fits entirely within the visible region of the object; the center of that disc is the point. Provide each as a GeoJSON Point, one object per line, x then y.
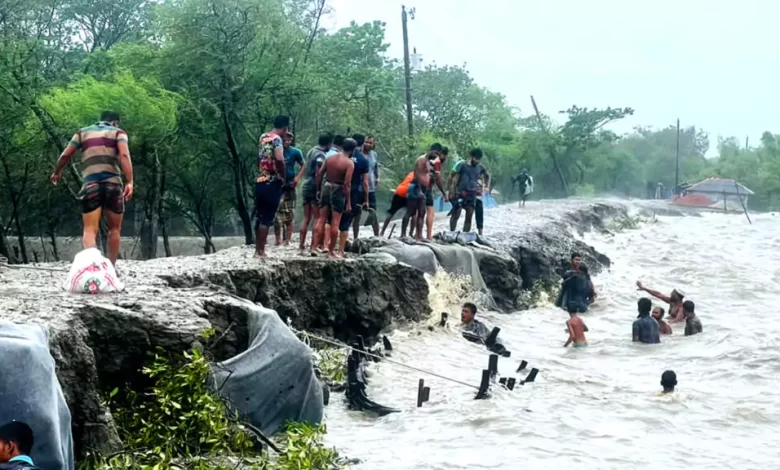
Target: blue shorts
{"type": "Point", "coordinates": [268, 195]}
{"type": "Point", "coordinates": [580, 345]}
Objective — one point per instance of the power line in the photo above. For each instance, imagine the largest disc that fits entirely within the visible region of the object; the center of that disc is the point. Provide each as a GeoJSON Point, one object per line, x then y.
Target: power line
{"type": "Point", "coordinates": [344, 346]}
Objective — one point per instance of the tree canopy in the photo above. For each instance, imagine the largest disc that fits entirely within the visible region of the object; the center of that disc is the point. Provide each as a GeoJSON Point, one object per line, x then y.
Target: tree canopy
{"type": "Point", "coordinates": [197, 81]}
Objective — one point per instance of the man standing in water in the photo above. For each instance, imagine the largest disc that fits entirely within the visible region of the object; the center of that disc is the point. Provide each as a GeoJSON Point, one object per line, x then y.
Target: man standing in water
{"type": "Point", "coordinates": [692, 322]}
{"type": "Point", "coordinates": [285, 217]}
{"type": "Point", "coordinates": [577, 329]}
{"type": "Point", "coordinates": [645, 328]}
{"type": "Point", "coordinates": [675, 300]}
{"type": "Point", "coordinates": [577, 288]}
{"type": "Point", "coordinates": [668, 382]}
{"type": "Point", "coordinates": [311, 207]}
{"type": "Point", "coordinates": [473, 329]}
{"type": "Point", "coordinates": [334, 194]}
{"type": "Point", "coordinates": [104, 150]}
{"type": "Point", "coordinates": [658, 315]}
{"type": "Point", "coordinates": [268, 186]}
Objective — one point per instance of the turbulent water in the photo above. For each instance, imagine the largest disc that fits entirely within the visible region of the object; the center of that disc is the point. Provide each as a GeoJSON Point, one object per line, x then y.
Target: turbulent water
{"type": "Point", "coordinates": [598, 407]}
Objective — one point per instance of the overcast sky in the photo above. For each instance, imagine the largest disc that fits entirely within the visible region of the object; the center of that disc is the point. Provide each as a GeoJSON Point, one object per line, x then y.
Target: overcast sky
{"type": "Point", "coordinates": [712, 63]}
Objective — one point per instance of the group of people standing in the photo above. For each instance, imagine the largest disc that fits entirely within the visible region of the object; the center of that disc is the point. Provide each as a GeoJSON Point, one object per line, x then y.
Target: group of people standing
{"type": "Point", "coordinates": [338, 177]}
{"type": "Point", "coordinates": [467, 183]}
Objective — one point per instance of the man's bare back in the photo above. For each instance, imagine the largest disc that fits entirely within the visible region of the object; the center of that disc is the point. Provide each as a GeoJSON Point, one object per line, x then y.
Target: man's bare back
{"type": "Point", "coordinates": [336, 168]}
{"type": "Point", "coordinates": [577, 330]}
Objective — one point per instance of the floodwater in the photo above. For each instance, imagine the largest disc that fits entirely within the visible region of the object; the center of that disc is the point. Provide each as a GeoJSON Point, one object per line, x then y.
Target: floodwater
{"type": "Point", "coordinates": [597, 407]}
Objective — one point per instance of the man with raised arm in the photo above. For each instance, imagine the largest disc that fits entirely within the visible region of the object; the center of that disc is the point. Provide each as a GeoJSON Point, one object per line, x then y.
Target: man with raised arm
{"type": "Point", "coordinates": [675, 301]}
{"type": "Point", "coordinates": [104, 150]}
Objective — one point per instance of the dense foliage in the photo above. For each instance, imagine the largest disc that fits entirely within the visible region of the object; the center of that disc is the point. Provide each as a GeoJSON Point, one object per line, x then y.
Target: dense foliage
{"type": "Point", "coordinates": [197, 81]}
{"type": "Point", "coordinates": [179, 423]}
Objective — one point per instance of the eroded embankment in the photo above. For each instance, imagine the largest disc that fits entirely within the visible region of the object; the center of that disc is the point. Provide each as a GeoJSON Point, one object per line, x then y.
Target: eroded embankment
{"type": "Point", "coordinates": [100, 343]}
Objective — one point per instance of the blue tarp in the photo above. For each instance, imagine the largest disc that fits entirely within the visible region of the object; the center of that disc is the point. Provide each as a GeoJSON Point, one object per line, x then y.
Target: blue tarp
{"type": "Point", "coordinates": [440, 206]}
{"type": "Point", "coordinates": [31, 393]}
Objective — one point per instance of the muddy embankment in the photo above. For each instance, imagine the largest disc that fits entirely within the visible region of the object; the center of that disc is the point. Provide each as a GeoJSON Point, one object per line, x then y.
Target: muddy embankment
{"type": "Point", "coordinates": [99, 343]}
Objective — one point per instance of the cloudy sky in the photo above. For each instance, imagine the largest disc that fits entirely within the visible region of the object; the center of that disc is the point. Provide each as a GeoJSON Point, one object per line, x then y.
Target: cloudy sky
{"type": "Point", "coordinates": [712, 63]}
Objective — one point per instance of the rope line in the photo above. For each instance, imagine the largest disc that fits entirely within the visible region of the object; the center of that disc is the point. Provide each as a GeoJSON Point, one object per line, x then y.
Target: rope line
{"type": "Point", "coordinates": [344, 346]}
{"type": "Point", "coordinates": [5, 264]}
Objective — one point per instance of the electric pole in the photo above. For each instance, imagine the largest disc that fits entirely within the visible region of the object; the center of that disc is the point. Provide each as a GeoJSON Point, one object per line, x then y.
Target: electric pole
{"type": "Point", "coordinates": [407, 71]}
{"type": "Point", "coordinates": [677, 172]}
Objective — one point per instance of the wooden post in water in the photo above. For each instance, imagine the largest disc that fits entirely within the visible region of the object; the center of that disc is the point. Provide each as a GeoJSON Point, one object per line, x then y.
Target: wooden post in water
{"type": "Point", "coordinates": [741, 201]}
{"type": "Point", "coordinates": [725, 207]}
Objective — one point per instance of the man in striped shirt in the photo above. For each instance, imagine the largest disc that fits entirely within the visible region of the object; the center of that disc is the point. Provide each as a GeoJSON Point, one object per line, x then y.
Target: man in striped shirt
{"type": "Point", "coordinates": [104, 150]}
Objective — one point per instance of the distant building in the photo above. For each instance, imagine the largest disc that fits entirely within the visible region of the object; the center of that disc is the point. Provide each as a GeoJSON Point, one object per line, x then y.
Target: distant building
{"type": "Point", "coordinates": [715, 193]}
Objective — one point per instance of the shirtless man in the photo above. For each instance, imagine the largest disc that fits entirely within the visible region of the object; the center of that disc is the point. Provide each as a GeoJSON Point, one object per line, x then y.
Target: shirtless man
{"type": "Point", "coordinates": [675, 301]}
{"type": "Point", "coordinates": [434, 167]}
{"type": "Point", "coordinates": [415, 197]}
{"type": "Point", "coordinates": [334, 194]}
{"type": "Point", "coordinates": [658, 314]}
{"type": "Point", "coordinates": [576, 328]}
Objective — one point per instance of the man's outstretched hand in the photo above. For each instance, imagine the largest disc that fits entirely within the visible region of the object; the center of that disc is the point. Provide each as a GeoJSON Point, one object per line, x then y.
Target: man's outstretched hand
{"type": "Point", "coordinates": [639, 285]}
{"type": "Point", "coordinates": [128, 191]}
{"type": "Point", "coordinates": [55, 178]}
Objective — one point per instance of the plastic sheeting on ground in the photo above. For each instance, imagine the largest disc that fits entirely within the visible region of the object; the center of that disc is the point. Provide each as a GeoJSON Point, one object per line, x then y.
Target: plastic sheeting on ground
{"type": "Point", "coordinates": [31, 393]}
{"type": "Point", "coordinates": [273, 381]}
{"type": "Point", "coordinates": [428, 257]}
{"type": "Point", "coordinates": [418, 256]}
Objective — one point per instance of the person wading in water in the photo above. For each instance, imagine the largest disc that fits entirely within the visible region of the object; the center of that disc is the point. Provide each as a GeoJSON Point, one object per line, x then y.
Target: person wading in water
{"type": "Point", "coordinates": [658, 314]}
{"type": "Point", "coordinates": [104, 150]}
{"type": "Point", "coordinates": [675, 301]}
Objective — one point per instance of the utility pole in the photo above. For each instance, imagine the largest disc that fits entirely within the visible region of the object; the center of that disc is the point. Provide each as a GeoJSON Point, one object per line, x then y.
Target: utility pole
{"type": "Point", "coordinates": [677, 172]}
{"type": "Point", "coordinates": [407, 71]}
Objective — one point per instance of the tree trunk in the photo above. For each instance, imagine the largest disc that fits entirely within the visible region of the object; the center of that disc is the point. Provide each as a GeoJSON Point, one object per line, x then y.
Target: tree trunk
{"type": "Point", "coordinates": [55, 250]}
{"type": "Point", "coordinates": [5, 248]}
{"type": "Point", "coordinates": [238, 181]}
{"type": "Point", "coordinates": [43, 247]}
{"type": "Point", "coordinates": [20, 237]}
{"type": "Point", "coordinates": [151, 213]}
{"type": "Point", "coordinates": [163, 225]}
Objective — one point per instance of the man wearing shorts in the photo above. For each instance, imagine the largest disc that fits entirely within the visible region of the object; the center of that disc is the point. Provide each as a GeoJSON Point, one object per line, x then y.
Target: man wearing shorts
{"type": "Point", "coordinates": [420, 191]}
{"type": "Point", "coordinates": [334, 183]}
{"type": "Point", "coordinates": [434, 166]}
{"type": "Point", "coordinates": [466, 185]}
{"type": "Point", "coordinates": [285, 217]}
{"type": "Point", "coordinates": [104, 150]}
{"type": "Point", "coordinates": [399, 200]}
{"type": "Point", "coordinates": [311, 207]}
{"type": "Point", "coordinates": [268, 186]}
{"type": "Point", "coordinates": [359, 191]}
{"type": "Point", "coordinates": [373, 181]}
